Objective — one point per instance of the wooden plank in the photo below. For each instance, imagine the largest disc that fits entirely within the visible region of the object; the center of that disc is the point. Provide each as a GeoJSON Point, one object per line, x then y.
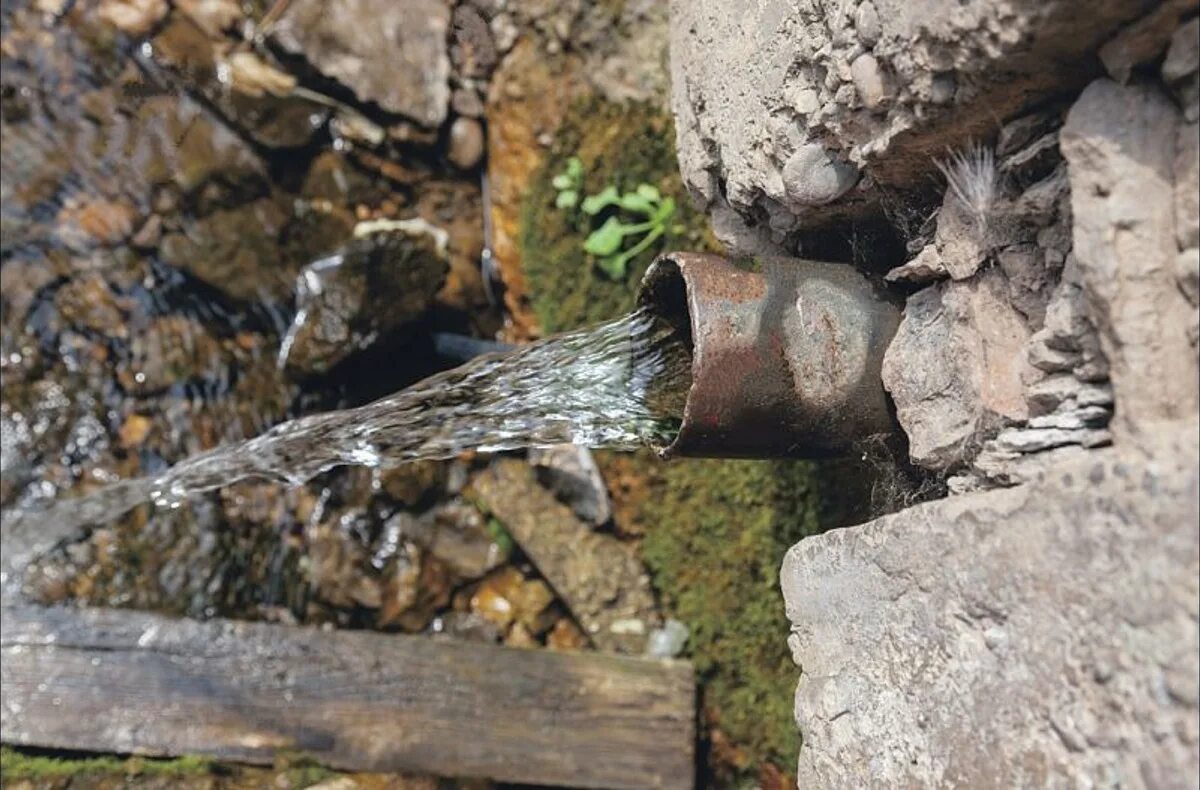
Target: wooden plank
{"type": "Point", "coordinates": [133, 682]}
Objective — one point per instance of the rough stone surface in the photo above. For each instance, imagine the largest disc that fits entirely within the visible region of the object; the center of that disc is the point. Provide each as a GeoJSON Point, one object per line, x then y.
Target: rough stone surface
{"type": "Point", "coordinates": [1042, 635]}
{"type": "Point", "coordinates": [1120, 146]}
{"type": "Point", "coordinates": [955, 367]}
{"type": "Point", "coordinates": [880, 87]}
{"type": "Point", "coordinates": [393, 54]}
{"type": "Point", "coordinates": [371, 287]}
{"type": "Point", "coordinates": [599, 577]}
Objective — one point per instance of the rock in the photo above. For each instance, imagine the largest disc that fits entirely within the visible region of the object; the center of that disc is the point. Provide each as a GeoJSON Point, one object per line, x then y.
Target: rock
{"type": "Point", "coordinates": [1068, 339]}
{"type": "Point", "coordinates": [402, 584]}
{"type": "Point", "coordinates": [180, 143]}
{"type": "Point", "coordinates": [869, 82]}
{"type": "Point", "coordinates": [866, 24]}
{"type": "Point", "coordinates": [171, 350]}
{"type": "Point", "coordinates": [391, 54]}
{"type": "Point", "coordinates": [1033, 440]}
{"type": "Point", "coordinates": [1030, 280]}
{"type": "Point", "coordinates": [460, 539]}
{"type": "Point", "coordinates": [211, 16]}
{"type": "Point", "coordinates": [1011, 637]}
{"type": "Point", "coordinates": [1145, 39]}
{"type": "Point", "coordinates": [250, 91]}
{"type": "Point", "coordinates": [601, 579]}
{"type": "Point", "coordinates": [371, 287]}
{"type": "Point", "coordinates": [737, 79]}
{"type": "Point", "coordinates": [132, 17]}
{"type": "Point", "coordinates": [235, 250]}
{"type": "Point", "coordinates": [95, 222]}
{"type": "Point", "coordinates": [961, 242]}
{"type": "Point", "coordinates": [1183, 55]}
{"type": "Point", "coordinates": [668, 641]}
{"type": "Point", "coordinates": [565, 635]}
{"type": "Point", "coordinates": [250, 75]}
{"type": "Point", "coordinates": [466, 102]}
{"type": "Point", "coordinates": [927, 267]}
{"type": "Point", "coordinates": [570, 471]}
{"type": "Point", "coordinates": [1120, 144]}
{"type": "Point", "coordinates": [813, 177]}
{"type": "Point", "coordinates": [1063, 391]}
{"type": "Point", "coordinates": [468, 626]}
{"type": "Point", "coordinates": [955, 367]}
{"type": "Point", "coordinates": [88, 302]}
{"type": "Point", "coordinates": [134, 430]}
{"type": "Point", "coordinates": [472, 52]}
{"type": "Point", "coordinates": [466, 143]}
{"type": "Point", "coordinates": [149, 235]}
{"type": "Point", "coordinates": [351, 127]}
{"type": "Point", "coordinates": [493, 598]}
{"type": "Point", "coordinates": [412, 483]}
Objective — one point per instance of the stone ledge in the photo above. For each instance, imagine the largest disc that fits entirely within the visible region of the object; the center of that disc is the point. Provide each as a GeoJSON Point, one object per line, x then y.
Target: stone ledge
{"type": "Point", "coordinates": [1038, 635]}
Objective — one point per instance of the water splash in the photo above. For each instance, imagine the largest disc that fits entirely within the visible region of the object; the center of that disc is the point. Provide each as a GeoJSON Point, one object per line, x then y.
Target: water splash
{"type": "Point", "coordinates": [620, 385]}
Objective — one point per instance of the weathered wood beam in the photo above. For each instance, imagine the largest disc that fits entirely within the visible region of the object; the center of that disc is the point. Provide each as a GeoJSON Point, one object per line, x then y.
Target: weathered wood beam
{"type": "Point", "coordinates": [133, 682]}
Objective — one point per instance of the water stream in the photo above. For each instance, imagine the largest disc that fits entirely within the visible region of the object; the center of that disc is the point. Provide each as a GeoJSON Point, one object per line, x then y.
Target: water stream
{"type": "Point", "coordinates": [619, 385]}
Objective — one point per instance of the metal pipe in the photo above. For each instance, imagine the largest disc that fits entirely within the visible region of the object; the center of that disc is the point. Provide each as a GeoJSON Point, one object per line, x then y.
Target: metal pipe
{"type": "Point", "coordinates": [786, 358]}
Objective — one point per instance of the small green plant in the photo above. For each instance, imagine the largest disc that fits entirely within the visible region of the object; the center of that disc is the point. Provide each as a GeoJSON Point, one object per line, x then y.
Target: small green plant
{"type": "Point", "coordinates": [568, 184]}
{"type": "Point", "coordinates": [605, 242]}
{"type": "Point", "coordinates": [651, 211]}
{"type": "Point", "coordinates": [500, 536]}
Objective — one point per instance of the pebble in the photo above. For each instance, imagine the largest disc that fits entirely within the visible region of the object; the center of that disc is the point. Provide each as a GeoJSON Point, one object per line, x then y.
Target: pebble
{"type": "Point", "coordinates": [466, 143]}
{"type": "Point", "coordinates": [132, 17]}
{"type": "Point", "coordinates": [866, 22]}
{"type": "Point", "coordinates": [668, 641]}
{"type": "Point", "coordinates": [812, 176]}
{"type": "Point", "coordinates": [869, 81]}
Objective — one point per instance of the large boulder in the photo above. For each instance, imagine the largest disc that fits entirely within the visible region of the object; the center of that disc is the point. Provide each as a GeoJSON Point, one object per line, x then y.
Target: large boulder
{"type": "Point", "coordinates": [781, 105]}
{"type": "Point", "coordinates": [1043, 635]}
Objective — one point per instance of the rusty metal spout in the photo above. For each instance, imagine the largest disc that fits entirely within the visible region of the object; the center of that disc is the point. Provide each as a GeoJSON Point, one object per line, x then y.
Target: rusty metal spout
{"type": "Point", "coordinates": [786, 359]}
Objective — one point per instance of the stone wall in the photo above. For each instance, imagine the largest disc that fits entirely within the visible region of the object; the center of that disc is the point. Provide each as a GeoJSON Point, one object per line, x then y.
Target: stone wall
{"type": "Point", "coordinates": [1039, 625]}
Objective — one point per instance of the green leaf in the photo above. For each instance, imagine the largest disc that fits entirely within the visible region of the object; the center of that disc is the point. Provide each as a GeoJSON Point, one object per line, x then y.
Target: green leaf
{"type": "Point", "coordinates": [633, 201]}
{"type": "Point", "coordinates": [614, 266]}
{"type": "Point", "coordinates": [562, 181]}
{"type": "Point", "coordinates": [666, 210]}
{"type": "Point", "coordinates": [596, 203]}
{"type": "Point", "coordinates": [574, 168]}
{"type": "Point", "coordinates": [567, 199]}
{"type": "Point", "coordinates": [649, 192]}
{"type": "Point", "coordinates": [606, 239]}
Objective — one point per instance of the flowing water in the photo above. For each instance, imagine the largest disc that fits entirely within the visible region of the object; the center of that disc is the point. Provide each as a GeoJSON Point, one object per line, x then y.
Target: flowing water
{"type": "Point", "coordinates": [619, 385]}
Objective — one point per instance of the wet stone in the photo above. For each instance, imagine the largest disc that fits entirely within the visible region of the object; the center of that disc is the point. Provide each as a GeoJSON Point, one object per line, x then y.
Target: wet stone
{"type": "Point", "coordinates": [374, 285]}
{"type": "Point", "coordinates": [172, 350]}
{"type": "Point", "coordinates": [235, 250]}
{"type": "Point", "coordinates": [393, 55]}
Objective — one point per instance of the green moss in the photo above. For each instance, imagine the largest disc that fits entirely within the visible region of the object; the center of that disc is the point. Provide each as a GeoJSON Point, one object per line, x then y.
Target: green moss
{"type": "Point", "coordinates": [620, 145]}
{"type": "Point", "coordinates": [716, 534]}
{"type": "Point", "coordinates": [16, 764]}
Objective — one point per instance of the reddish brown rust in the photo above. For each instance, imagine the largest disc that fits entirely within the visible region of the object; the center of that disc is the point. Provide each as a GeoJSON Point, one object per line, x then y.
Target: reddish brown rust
{"type": "Point", "coordinates": [785, 359]}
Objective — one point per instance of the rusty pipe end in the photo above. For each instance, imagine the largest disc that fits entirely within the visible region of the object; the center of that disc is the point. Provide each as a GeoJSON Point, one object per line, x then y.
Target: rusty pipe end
{"type": "Point", "coordinates": [786, 358]}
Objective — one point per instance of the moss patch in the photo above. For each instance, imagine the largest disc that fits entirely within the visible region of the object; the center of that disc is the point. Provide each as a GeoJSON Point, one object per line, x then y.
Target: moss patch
{"type": "Point", "coordinates": [716, 532]}
{"type": "Point", "coordinates": [15, 764]}
{"type": "Point", "coordinates": [619, 145]}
